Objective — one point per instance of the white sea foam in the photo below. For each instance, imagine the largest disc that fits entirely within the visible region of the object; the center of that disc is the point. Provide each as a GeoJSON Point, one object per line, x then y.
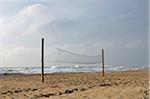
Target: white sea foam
{"type": "Point", "coordinates": [52, 69]}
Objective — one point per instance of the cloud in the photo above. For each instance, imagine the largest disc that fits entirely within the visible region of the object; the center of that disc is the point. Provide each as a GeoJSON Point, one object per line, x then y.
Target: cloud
{"type": "Point", "coordinates": [34, 18]}
{"type": "Point", "coordinates": [20, 56]}
{"type": "Point", "coordinates": [32, 10]}
{"type": "Point", "coordinates": [81, 26]}
{"type": "Point", "coordinates": [26, 21]}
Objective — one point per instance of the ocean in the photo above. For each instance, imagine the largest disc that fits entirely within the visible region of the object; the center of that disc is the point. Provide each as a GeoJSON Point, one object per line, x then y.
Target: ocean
{"type": "Point", "coordinates": [55, 69]}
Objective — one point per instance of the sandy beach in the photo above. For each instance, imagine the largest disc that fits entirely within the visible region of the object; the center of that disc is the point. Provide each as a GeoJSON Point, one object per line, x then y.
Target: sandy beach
{"type": "Point", "coordinates": [114, 85]}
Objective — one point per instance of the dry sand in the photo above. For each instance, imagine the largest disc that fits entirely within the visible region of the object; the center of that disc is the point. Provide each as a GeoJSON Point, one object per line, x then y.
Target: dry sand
{"type": "Point", "coordinates": [115, 85]}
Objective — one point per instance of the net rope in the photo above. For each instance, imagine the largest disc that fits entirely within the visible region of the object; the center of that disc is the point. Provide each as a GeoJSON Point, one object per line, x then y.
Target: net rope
{"type": "Point", "coordinates": [64, 56]}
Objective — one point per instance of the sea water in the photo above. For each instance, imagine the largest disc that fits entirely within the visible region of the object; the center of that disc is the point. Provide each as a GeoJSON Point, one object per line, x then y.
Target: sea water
{"type": "Point", "coordinates": [54, 69]}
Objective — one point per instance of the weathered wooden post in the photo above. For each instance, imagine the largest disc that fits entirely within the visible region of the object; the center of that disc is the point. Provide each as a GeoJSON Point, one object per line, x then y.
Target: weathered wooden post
{"type": "Point", "coordinates": [42, 60]}
{"type": "Point", "coordinates": [103, 68]}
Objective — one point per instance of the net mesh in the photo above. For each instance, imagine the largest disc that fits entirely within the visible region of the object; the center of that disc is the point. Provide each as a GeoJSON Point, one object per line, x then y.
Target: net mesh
{"type": "Point", "coordinates": [64, 56]}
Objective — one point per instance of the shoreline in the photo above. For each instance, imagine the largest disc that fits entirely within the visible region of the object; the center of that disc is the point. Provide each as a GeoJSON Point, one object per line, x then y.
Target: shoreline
{"type": "Point", "coordinates": [143, 69]}
{"type": "Point", "coordinates": [64, 69]}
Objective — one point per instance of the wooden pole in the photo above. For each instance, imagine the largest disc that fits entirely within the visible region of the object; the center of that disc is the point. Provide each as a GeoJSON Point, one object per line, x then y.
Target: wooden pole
{"type": "Point", "coordinates": [42, 75]}
{"type": "Point", "coordinates": [103, 62]}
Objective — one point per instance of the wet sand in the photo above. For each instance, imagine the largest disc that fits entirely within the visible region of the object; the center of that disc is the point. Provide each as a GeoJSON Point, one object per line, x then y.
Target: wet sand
{"type": "Point", "coordinates": [114, 85]}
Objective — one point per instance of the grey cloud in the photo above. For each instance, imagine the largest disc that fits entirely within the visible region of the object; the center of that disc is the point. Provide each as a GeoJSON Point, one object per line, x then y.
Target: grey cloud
{"type": "Point", "coordinates": [119, 26]}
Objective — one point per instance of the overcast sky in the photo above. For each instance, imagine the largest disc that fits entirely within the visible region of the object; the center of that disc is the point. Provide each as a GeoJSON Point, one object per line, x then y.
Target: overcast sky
{"type": "Point", "coordinates": [80, 26]}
